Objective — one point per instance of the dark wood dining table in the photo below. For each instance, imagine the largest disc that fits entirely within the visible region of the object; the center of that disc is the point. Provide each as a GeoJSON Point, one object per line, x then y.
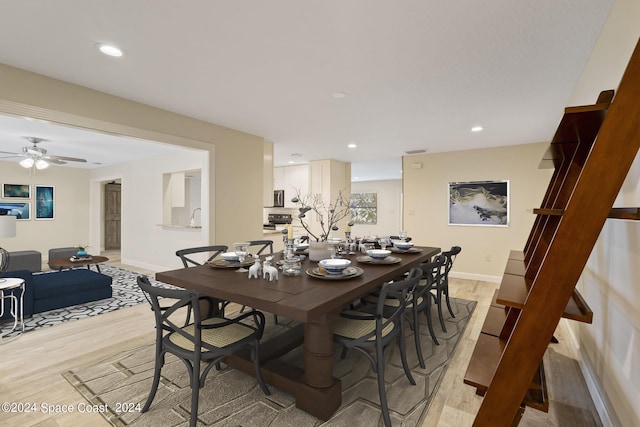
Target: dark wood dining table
{"type": "Point", "coordinates": [314, 302]}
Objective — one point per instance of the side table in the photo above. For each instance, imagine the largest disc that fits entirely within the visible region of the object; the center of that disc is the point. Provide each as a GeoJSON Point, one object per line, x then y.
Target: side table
{"type": "Point", "coordinates": [9, 286]}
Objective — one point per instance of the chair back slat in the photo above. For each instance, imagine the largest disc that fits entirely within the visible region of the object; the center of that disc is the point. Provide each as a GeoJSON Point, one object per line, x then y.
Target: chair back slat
{"type": "Point", "coordinates": [215, 250]}
{"type": "Point", "coordinates": [163, 314]}
{"type": "Point", "coordinates": [401, 290]}
{"type": "Point", "coordinates": [264, 245]}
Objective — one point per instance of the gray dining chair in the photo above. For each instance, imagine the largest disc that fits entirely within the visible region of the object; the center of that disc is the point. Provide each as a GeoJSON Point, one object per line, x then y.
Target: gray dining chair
{"type": "Point", "coordinates": [213, 252]}
{"type": "Point", "coordinates": [421, 300]}
{"type": "Point", "coordinates": [209, 340]}
{"type": "Point", "coordinates": [264, 245]}
{"type": "Point", "coordinates": [373, 333]}
{"type": "Point", "coordinates": [450, 256]}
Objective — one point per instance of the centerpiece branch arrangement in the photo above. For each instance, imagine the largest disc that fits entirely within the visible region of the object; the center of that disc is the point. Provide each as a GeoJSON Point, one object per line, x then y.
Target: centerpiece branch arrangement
{"type": "Point", "coordinates": [329, 214]}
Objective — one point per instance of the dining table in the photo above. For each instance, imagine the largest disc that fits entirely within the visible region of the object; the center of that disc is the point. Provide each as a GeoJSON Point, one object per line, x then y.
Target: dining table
{"type": "Point", "coordinates": [315, 301]}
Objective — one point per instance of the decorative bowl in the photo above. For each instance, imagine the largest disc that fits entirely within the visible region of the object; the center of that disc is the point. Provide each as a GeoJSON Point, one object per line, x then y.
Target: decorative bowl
{"type": "Point", "coordinates": [335, 266]}
{"type": "Point", "coordinates": [403, 246]}
{"type": "Point", "coordinates": [378, 254]}
{"type": "Point", "coordinates": [230, 256]}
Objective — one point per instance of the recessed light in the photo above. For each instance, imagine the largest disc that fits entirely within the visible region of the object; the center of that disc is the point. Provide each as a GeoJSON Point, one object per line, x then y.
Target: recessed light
{"type": "Point", "coordinates": [291, 162]}
{"type": "Point", "coordinates": [352, 145]}
{"type": "Point", "coordinates": [110, 50]}
{"type": "Point", "coordinates": [356, 177]}
{"type": "Point", "coordinates": [338, 95]}
{"type": "Point", "coordinates": [476, 129]}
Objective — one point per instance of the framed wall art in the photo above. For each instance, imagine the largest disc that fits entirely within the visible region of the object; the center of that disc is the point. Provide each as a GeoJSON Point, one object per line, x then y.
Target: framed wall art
{"type": "Point", "coordinates": [18, 191]}
{"type": "Point", "coordinates": [21, 210]}
{"type": "Point", "coordinates": [479, 203]}
{"type": "Point", "coordinates": [45, 202]}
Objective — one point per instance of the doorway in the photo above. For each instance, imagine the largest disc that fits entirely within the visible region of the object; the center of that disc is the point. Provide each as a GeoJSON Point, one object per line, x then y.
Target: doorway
{"type": "Point", "coordinates": [112, 215]}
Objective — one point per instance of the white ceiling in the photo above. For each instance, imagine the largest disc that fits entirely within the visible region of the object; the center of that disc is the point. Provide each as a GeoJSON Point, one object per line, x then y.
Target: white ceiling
{"type": "Point", "coordinates": [417, 74]}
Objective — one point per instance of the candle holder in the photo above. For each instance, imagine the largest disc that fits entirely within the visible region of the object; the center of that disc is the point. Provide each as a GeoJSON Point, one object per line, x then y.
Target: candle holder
{"type": "Point", "coordinates": [289, 248]}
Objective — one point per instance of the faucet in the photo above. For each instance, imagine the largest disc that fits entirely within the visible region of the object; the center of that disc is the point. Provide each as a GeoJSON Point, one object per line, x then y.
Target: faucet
{"type": "Point", "coordinates": [193, 216]}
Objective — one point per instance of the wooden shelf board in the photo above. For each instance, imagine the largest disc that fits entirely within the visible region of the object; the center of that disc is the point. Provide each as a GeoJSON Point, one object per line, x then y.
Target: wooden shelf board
{"type": "Point", "coordinates": [494, 321]}
{"type": "Point", "coordinates": [625, 213]}
{"type": "Point", "coordinates": [516, 267]}
{"type": "Point", "coordinates": [482, 366]}
{"type": "Point", "coordinates": [550, 212]}
{"type": "Point", "coordinates": [515, 288]}
{"type": "Point", "coordinates": [483, 362]}
{"type": "Point", "coordinates": [518, 255]}
{"type": "Point", "coordinates": [494, 303]}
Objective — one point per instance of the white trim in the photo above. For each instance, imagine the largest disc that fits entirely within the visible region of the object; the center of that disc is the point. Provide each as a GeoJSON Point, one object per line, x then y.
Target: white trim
{"type": "Point", "coordinates": [589, 378]}
{"type": "Point", "coordinates": [594, 391]}
{"type": "Point", "coordinates": [145, 266]}
{"type": "Point", "coordinates": [480, 277]}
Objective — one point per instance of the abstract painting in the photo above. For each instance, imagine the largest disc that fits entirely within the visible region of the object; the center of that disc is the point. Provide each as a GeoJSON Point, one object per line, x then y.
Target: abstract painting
{"type": "Point", "coordinates": [21, 210]}
{"type": "Point", "coordinates": [479, 203]}
{"type": "Point", "coordinates": [22, 191]}
{"type": "Point", "coordinates": [44, 202]}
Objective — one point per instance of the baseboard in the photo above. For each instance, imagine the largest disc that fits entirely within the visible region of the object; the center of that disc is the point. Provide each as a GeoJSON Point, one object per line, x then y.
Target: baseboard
{"type": "Point", "coordinates": [479, 277]}
{"type": "Point", "coordinates": [592, 385]}
{"type": "Point", "coordinates": [145, 266]}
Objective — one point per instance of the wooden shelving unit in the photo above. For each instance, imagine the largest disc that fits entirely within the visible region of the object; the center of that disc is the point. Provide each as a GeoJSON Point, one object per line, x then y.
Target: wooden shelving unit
{"type": "Point", "coordinates": [591, 153]}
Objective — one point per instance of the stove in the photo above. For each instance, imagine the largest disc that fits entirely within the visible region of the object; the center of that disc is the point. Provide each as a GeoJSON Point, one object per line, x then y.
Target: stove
{"type": "Point", "coordinates": [276, 219]}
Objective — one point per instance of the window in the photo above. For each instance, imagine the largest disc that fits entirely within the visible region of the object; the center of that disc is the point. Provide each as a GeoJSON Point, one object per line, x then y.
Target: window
{"type": "Point", "coordinates": [364, 208]}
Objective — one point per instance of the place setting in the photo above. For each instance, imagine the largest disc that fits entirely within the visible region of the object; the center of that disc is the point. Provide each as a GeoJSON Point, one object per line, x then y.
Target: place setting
{"type": "Point", "coordinates": [403, 247]}
{"type": "Point", "coordinates": [378, 256]}
{"type": "Point", "coordinates": [239, 259]}
{"type": "Point", "coordinates": [334, 269]}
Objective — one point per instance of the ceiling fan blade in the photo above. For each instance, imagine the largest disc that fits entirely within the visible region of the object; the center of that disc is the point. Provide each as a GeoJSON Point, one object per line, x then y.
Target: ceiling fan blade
{"type": "Point", "coordinates": [64, 158]}
{"type": "Point", "coordinates": [8, 152]}
{"type": "Point", "coordinates": [56, 161]}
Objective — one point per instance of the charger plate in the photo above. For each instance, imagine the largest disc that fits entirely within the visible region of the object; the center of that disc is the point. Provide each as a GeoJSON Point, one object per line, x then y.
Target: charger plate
{"type": "Point", "coordinates": [366, 259]}
{"type": "Point", "coordinates": [221, 263]}
{"type": "Point", "coordinates": [406, 251]}
{"type": "Point", "coordinates": [349, 273]}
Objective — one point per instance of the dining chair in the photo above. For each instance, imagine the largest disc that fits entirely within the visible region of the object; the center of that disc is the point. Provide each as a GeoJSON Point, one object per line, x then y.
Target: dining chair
{"type": "Point", "coordinates": [208, 340]}
{"type": "Point", "coordinates": [264, 245]}
{"type": "Point", "coordinates": [450, 255]}
{"type": "Point", "coordinates": [216, 250]}
{"type": "Point", "coordinates": [212, 251]}
{"type": "Point", "coordinates": [373, 333]}
{"type": "Point", "coordinates": [421, 300]}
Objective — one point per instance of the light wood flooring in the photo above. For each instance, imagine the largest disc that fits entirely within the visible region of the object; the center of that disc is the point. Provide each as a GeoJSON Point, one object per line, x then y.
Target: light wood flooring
{"type": "Point", "coordinates": [31, 367]}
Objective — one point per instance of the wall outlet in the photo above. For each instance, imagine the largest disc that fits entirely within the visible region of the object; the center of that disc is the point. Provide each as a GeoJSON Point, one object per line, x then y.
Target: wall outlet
{"type": "Point", "coordinates": [487, 258]}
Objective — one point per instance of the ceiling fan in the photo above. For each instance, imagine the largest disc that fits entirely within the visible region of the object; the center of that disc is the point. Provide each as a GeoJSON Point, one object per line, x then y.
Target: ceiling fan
{"type": "Point", "coordinates": [37, 157]}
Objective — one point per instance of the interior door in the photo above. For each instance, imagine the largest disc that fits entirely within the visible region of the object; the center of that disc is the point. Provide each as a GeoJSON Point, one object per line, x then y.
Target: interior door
{"type": "Point", "coordinates": [112, 193]}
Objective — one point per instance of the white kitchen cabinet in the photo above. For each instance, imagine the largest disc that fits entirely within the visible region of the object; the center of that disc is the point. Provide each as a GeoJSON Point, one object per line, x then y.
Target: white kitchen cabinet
{"type": "Point", "coordinates": [291, 179]}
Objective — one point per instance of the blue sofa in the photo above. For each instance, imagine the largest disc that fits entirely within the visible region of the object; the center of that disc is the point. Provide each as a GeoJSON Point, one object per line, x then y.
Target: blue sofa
{"type": "Point", "coordinates": [49, 291]}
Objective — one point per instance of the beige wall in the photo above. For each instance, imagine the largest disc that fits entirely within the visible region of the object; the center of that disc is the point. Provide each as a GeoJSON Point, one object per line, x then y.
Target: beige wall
{"type": "Point", "coordinates": [610, 283]}
{"type": "Point", "coordinates": [389, 207]}
{"type": "Point", "coordinates": [236, 206]}
{"type": "Point", "coordinates": [485, 249]}
{"type": "Point", "coordinates": [71, 224]}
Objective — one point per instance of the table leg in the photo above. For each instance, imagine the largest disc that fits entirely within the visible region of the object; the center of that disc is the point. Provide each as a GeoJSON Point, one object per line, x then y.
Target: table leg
{"type": "Point", "coordinates": [319, 401]}
{"type": "Point", "coordinates": [318, 353]}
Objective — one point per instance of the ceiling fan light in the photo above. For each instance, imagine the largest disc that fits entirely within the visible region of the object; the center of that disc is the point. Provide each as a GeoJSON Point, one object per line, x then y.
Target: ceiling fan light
{"type": "Point", "coordinates": [27, 163]}
{"type": "Point", "coordinates": [41, 164]}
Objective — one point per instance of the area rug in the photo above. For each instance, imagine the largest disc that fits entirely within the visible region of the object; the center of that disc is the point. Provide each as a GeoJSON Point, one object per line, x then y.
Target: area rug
{"type": "Point", "coordinates": [126, 293]}
{"type": "Point", "coordinates": [232, 398]}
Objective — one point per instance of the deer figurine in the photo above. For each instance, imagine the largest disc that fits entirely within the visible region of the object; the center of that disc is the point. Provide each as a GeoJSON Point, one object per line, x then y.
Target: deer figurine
{"type": "Point", "coordinates": [255, 271]}
{"type": "Point", "coordinates": [269, 270]}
